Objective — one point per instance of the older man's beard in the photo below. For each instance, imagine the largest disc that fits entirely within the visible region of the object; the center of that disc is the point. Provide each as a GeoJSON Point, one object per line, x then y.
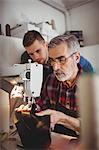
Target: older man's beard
{"type": "Point", "coordinates": [61, 76]}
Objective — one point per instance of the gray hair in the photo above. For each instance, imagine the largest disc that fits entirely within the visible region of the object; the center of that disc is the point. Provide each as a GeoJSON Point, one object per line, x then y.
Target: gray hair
{"type": "Point", "coordinates": [70, 40]}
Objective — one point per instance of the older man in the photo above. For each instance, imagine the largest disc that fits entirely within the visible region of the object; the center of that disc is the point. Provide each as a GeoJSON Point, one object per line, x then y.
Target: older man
{"type": "Point", "coordinates": [60, 89]}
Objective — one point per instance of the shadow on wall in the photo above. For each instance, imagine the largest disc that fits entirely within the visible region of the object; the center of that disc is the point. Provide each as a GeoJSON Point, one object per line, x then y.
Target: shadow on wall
{"type": "Point", "coordinates": [11, 49]}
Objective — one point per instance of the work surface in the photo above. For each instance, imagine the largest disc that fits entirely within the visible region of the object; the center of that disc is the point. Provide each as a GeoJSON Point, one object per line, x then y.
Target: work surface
{"type": "Point", "coordinates": [58, 142]}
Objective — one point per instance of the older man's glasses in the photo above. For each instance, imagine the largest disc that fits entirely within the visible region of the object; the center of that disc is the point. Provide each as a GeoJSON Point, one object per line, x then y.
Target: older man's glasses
{"type": "Point", "coordinates": [61, 60]}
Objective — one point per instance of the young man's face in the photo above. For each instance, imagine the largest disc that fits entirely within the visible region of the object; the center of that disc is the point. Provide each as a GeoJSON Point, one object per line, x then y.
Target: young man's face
{"type": "Point", "coordinates": [64, 64]}
{"type": "Point", "coordinates": [38, 51]}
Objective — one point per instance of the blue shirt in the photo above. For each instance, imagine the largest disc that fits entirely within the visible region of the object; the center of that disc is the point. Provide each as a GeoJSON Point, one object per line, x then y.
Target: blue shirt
{"type": "Point", "coordinates": [86, 65]}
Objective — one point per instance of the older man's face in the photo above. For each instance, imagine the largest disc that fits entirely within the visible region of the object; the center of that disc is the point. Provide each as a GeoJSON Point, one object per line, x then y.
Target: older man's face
{"type": "Point", "coordinates": [64, 63]}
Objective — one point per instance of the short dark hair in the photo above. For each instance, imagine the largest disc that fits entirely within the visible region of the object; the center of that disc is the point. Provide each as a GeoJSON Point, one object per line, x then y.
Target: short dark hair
{"type": "Point", "coordinates": [30, 37]}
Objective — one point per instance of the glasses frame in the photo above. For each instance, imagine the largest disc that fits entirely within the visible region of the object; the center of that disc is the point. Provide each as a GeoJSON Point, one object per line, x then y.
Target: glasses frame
{"type": "Point", "coordinates": [61, 61]}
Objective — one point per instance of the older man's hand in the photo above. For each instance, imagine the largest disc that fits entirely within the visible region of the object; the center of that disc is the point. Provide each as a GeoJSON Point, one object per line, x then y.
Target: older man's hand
{"type": "Point", "coordinates": [17, 91]}
{"type": "Point", "coordinates": [55, 116]}
{"type": "Point", "coordinates": [23, 108]}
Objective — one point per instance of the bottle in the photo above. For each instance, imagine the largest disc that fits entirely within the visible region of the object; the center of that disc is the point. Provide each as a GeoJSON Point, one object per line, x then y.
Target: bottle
{"type": "Point", "coordinates": [8, 32]}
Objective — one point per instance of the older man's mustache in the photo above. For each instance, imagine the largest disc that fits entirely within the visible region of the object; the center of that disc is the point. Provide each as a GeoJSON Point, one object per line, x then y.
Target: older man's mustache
{"type": "Point", "coordinates": [59, 72]}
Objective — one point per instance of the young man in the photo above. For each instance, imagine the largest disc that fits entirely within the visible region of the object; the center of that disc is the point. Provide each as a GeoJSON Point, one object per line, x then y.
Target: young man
{"type": "Point", "coordinates": [36, 47]}
{"type": "Point", "coordinates": [36, 50]}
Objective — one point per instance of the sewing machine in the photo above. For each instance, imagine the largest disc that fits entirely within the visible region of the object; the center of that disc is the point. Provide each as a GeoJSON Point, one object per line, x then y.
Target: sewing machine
{"type": "Point", "coordinates": [29, 76]}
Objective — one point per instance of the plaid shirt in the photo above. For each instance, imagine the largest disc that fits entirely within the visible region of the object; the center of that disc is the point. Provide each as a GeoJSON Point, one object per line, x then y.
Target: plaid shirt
{"type": "Point", "coordinates": [55, 92]}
